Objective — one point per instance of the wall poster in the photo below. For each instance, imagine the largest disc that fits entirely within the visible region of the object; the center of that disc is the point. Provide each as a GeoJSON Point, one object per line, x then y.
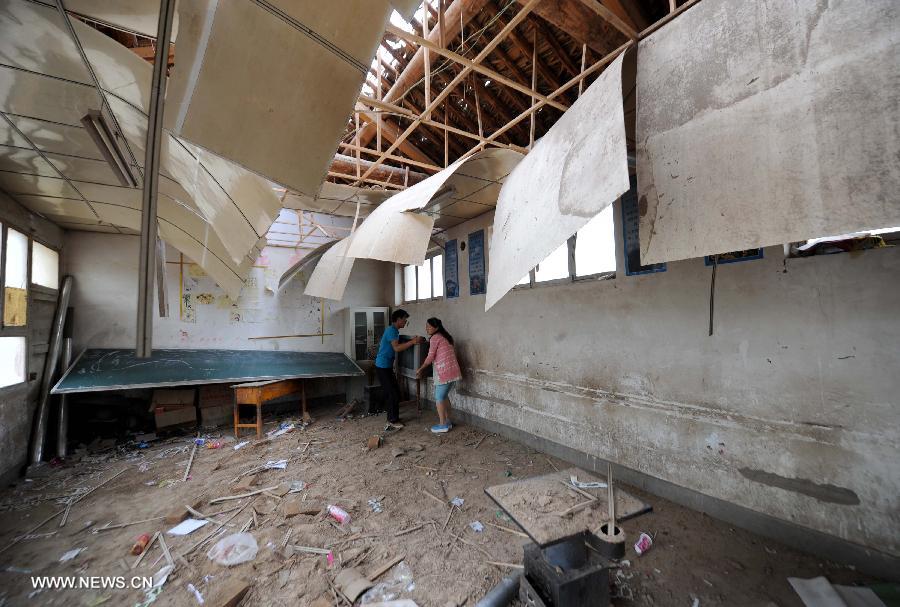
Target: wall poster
{"type": "Point", "coordinates": [477, 268]}
{"type": "Point", "coordinates": [451, 269]}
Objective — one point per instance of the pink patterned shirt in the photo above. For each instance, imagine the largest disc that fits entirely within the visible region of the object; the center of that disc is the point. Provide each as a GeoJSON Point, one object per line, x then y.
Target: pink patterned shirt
{"type": "Point", "coordinates": [443, 357]}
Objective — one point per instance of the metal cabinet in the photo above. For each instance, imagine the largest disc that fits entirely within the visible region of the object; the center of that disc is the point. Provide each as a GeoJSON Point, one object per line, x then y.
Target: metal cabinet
{"type": "Point", "coordinates": [365, 326]}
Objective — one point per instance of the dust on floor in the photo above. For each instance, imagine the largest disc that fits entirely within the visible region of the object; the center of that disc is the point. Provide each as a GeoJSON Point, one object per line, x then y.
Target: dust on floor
{"type": "Point", "coordinates": [411, 477]}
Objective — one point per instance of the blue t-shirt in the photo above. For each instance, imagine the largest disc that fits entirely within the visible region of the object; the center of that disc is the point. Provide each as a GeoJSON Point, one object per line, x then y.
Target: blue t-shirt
{"type": "Point", "coordinates": [385, 358]}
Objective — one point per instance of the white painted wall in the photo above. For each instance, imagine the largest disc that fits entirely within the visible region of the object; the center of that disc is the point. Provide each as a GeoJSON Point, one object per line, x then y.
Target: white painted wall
{"type": "Point", "coordinates": [105, 301]}
{"type": "Point", "coordinates": [799, 380]}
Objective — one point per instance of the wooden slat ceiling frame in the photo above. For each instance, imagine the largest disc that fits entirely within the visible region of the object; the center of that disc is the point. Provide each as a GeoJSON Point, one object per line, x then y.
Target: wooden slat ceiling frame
{"type": "Point", "coordinates": [519, 41]}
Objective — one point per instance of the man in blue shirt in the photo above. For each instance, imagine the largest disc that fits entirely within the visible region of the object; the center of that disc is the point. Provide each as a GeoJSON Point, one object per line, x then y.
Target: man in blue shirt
{"type": "Point", "coordinates": [384, 364]}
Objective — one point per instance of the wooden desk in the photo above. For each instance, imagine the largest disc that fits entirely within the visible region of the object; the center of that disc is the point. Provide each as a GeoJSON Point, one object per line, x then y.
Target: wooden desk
{"type": "Point", "coordinates": [260, 392]}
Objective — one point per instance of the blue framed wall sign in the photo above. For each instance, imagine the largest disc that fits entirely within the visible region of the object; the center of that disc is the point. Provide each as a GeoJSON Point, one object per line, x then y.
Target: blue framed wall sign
{"type": "Point", "coordinates": [451, 269]}
{"type": "Point", "coordinates": [632, 237]}
{"type": "Point", "coordinates": [477, 273]}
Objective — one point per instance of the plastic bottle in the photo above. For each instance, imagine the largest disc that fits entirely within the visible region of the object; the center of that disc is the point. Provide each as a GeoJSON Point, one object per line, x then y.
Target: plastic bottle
{"type": "Point", "coordinates": [140, 544]}
{"type": "Point", "coordinates": [339, 514]}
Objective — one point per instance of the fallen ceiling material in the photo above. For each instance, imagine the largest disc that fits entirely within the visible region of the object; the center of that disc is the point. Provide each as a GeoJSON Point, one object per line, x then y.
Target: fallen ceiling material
{"type": "Point", "coordinates": [770, 126]}
{"type": "Point", "coordinates": [209, 209]}
{"type": "Point", "coordinates": [139, 16]}
{"type": "Point", "coordinates": [292, 72]}
{"type": "Point", "coordinates": [395, 233]}
{"type": "Point", "coordinates": [468, 187]}
{"type": "Point", "coordinates": [338, 199]}
{"type": "Point", "coordinates": [574, 172]}
{"type": "Point", "coordinates": [329, 279]}
{"type": "Point", "coordinates": [308, 261]}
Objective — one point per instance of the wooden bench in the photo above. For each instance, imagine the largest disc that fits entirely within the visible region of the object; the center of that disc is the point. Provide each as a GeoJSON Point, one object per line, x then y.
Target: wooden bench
{"type": "Point", "coordinates": [260, 392]}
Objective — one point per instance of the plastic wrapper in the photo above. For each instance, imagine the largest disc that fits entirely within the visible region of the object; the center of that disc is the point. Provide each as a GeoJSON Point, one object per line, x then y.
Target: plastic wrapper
{"type": "Point", "coordinates": [401, 581]}
{"type": "Point", "coordinates": [234, 549]}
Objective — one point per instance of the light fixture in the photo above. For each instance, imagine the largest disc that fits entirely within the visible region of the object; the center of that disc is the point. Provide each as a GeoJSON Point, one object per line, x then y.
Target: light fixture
{"type": "Point", "coordinates": [105, 140]}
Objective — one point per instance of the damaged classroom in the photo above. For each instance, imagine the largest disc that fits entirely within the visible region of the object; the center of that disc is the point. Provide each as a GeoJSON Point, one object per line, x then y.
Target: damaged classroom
{"type": "Point", "coordinates": [450, 303]}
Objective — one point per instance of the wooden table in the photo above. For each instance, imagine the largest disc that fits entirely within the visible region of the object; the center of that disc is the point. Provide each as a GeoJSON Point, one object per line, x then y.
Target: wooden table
{"type": "Point", "coordinates": [260, 392]}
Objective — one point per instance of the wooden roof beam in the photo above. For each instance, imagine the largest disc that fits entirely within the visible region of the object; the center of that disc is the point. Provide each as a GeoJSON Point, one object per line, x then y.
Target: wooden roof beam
{"type": "Point", "coordinates": [579, 22]}
{"type": "Point", "coordinates": [548, 35]}
{"type": "Point", "coordinates": [414, 70]}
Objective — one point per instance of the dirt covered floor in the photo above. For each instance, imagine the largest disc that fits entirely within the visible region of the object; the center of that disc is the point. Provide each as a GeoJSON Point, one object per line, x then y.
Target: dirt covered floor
{"type": "Point", "coordinates": [409, 479]}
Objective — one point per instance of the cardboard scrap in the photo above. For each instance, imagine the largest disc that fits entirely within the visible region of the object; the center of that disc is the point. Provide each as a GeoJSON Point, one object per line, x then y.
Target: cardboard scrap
{"type": "Point", "coordinates": [230, 593]}
{"type": "Point", "coordinates": [352, 583]}
{"type": "Point", "coordinates": [180, 513]}
{"type": "Point", "coordinates": [245, 484]}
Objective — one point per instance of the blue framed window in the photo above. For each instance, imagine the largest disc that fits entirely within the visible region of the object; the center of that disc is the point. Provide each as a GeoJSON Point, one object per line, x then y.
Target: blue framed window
{"type": "Point", "coordinates": [632, 237]}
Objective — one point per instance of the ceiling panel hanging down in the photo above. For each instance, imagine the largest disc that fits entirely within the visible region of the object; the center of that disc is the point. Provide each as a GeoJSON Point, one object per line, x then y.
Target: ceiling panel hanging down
{"type": "Point", "coordinates": [338, 199]}
{"type": "Point", "coordinates": [779, 124]}
{"type": "Point", "coordinates": [210, 209]}
{"type": "Point", "coordinates": [271, 84]}
{"type": "Point", "coordinates": [329, 279]}
{"type": "Point", "coordinates": [139, 16]}
{"type": "Point", "coordinates": [393, 233]}
{"type": "Point", "coordinates": [574, 172]}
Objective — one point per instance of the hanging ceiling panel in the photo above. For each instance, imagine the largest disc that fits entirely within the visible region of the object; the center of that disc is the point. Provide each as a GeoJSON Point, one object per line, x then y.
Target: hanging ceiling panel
{"type": "Point", "coordinates": [292, 70]}
{"type": "Point", "coordinates": [574, 172]}
{"type": "Point", "coordinates": [778, 125]}
{"type": "Point", "coordinates": [210, 209]}
{"type": "Point", "coordinates": [393, 233]}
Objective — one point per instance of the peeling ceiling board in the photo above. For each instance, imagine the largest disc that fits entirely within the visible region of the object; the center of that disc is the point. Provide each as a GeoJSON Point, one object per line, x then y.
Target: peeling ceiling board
{"type": "Point", "coordinates": [406, 8]}
{"type": "Point", "coordinates": [45, 90]}
{"type": "Point", "coordinates": [139, 16]}
{"type": "Point", "coordinates": [329, 279]}
{"type": "Point", "coordinates": [338, 199]}
{"type": "Point", "coordinates": [308, 260]}
{"type": "Point", "coordinates": [270, 84]}
{"type": "Point", "coordinates": [574, 172]}
{"type": "Point", "coordinates": [763, 124]}
{"type": "Point", "coordinates": [393, 233]}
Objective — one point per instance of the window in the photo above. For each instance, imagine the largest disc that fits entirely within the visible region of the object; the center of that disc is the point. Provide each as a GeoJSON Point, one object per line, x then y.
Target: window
{"type": "Point", "coordinates": [590, 253]}
{"type": "Point", "coordinates": [15, 280]}
{"type": "Point", "coordinates": [12, 353]}
{"type": "Point", "coordinates": [437, 275]}
{"type": "Point", "coordinates": [425, 281]}
{"type": "Point", "coordinates": [424, 271]}
{"type": "Point", "coordinates": [44, 266]}
{"type": "Point", "coordinates": [409, 283]}
{"type": "Point", "coordinates": [631, 235]}
{"type": "Point", "coordinates": [856, 241]}
{"type": "Point", "coordinates": [595, 245]}
{"type": "Point", "coordinates": [555, 266]}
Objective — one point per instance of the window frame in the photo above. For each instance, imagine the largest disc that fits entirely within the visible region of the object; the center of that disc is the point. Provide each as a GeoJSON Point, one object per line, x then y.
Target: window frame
{"type": "Point", "coordinates": [573, 277]}
{"type": "Point", "coordinates": [24, 330]}
{"type": "Point", "coordinates": [429, 259]}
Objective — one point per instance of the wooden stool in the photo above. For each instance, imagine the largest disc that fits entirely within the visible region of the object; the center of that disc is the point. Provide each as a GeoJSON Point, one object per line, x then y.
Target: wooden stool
{"type": "Point", "coordinates": [260, 392]}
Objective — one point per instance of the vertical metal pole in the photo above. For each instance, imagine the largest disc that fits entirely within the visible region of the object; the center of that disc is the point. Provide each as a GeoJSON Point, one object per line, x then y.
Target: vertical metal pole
{"type": "Point", "coordinates": [146, 266]}
{"type": "Point", "coordinates": [162, 288]}
{"type": "Point", "coordinates": [62, 428]}
{"type": "Point", "coordinates": [43, 411]}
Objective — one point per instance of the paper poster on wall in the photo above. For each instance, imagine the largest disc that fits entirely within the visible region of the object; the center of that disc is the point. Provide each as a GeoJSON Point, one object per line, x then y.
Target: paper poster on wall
{"type": "Point", "coordinates": [451, 269]}
{"type": "Point", "coordinates": [632, 237]}
{"type": "Point", "coordinates": [477, 274]}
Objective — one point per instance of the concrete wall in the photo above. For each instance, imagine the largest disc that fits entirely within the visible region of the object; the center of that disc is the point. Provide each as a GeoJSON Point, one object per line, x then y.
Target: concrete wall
{"type": "Point", "coordinates": [105, 297]}
{"type": "Point", "coordinates": [790, 410]}
{"type": "Point", "coordinates": [18, 402]}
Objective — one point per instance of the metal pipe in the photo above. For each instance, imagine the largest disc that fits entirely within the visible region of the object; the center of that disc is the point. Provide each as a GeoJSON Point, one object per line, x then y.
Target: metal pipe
{"type": "Point", "coordinates": [149, 232]}
{"type": "Point", "coordinates": [501, 594]}
{"type": "Point", "coordinates": [62, 428]}
{"type": "Point", "coordinates": [50, 362]}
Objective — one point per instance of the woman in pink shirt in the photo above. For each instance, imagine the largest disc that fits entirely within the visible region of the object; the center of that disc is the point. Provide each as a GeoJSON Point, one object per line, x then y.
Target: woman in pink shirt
{"type": "Point", "coordinates": [446, 370]}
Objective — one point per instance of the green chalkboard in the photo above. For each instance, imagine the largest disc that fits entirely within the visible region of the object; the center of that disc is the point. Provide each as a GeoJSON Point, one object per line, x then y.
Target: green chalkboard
{"type": "Point", "coordinates": [98, 370]}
